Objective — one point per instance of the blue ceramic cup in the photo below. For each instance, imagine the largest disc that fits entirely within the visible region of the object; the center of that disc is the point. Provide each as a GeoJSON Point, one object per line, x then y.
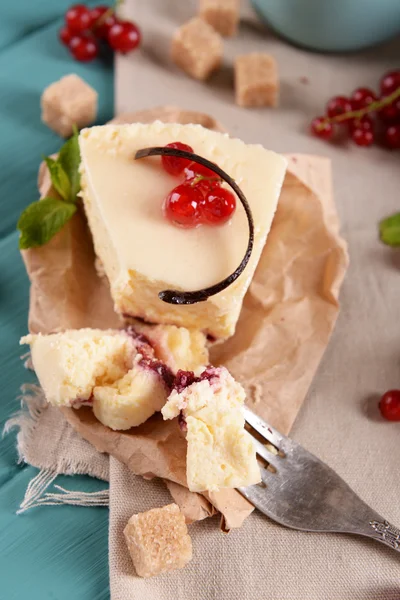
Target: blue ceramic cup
{"type": "Point", "coordinates": [332, 25]}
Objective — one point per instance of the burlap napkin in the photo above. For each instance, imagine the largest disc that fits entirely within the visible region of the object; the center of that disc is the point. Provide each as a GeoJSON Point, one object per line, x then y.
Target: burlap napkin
{"type": "Point", "coordinates": [288, 315]}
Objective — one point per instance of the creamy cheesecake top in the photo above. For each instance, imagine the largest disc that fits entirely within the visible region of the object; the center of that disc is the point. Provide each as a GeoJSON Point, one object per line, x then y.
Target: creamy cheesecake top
{"type": "Point", "coordinates": [129, 196]}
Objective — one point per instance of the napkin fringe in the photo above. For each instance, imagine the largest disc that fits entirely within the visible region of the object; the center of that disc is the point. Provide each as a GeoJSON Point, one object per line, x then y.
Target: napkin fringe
{"type": "Point", "coordinates": [36, 494]}
{"type": "Point", "coordinates": [33, 404]}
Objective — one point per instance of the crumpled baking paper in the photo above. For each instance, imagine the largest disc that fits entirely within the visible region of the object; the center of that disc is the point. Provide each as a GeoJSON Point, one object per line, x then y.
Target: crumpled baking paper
{"type": "Point", "coordinates": [287, 317]}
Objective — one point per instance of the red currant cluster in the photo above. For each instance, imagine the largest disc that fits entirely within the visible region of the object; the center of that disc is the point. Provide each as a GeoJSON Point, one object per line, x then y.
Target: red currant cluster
{"type": "Point", "coordinates": [366, 115]}
{"type": "Point", "coordinates": [86, 28]}
{"type": "Point", "coordinates": [200, 199]}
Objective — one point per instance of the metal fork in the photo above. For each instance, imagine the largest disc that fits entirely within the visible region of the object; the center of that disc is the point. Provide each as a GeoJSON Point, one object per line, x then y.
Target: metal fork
{"type": "Point", "coordinates": [301, 492]}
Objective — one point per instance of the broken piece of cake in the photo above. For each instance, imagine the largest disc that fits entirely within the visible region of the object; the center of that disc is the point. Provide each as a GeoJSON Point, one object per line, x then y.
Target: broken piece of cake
{"type": "Point", "coordinates": [125, 375]}
{"type": "Point", "coordinates": [178, 347]}
{"type": "Point", "coordinates": [220, 452]}
{"type": "Point", "coordinates": [113, 371]}
{"type": "Point", "coordinates": [120, 374]}
{"type": "Point", "coordinates": [158, 541]}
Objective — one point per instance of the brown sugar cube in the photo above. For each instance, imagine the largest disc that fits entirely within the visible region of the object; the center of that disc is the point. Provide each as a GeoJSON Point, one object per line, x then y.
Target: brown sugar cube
{"type": "Point", "coordinates": [158, 540]}
{"type": "Point", "coordinates": [197, 48]}
{"type": "Point", "coordinates": [222, 15]}
{"type": "Point", "coordinates": [256, 80]}
{"type": "Point", "coordinates": [67, 102]}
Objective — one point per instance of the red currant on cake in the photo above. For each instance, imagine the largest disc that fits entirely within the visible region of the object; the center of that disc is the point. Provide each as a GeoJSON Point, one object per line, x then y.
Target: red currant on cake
{"type": "Point", "coordinates": [182, 205]}
{"type": "Point", "coordinates": [200, 199]}
{"type": "Point", "coordinates": [322, 128]}
{"type": "Point", "coordinates": [78, 18]}
{"type": "Point", "coordinates": [194, 170]}
{"type": "Point", "coordinates": [84, 47]}
{"type": "Point", "coordinates": [124, 36]}
{"type": "Point", "coordinates": [217, 206]}
{"type": "Point", "coordinates": [174, 165]}
{"type": "Point", "coordinates": [206, 185]}
{"type": "Point", "coordinates": [389, 405]}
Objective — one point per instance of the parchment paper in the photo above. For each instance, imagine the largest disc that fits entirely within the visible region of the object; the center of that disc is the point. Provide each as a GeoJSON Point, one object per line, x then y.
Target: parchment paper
{"type": "Point", "coordinates": [287, 317]}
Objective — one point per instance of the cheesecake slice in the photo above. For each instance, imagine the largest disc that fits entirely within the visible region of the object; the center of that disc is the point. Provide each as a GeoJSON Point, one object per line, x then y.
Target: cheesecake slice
{"type": "Point", "coordinates": [220, 452]}
{"type": "Point", "coordinates": [142, 252]}
{"type": "Point", "coordinates": [113, 371]}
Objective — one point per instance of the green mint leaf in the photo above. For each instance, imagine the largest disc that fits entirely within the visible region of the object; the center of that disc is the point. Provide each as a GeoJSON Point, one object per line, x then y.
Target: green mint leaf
{"type": "Point", "coordinates": [41, 220]}
{"type": "Point", "coordinates": [389, 230]}
{"type": "Point", "coordinates": [69, 158]}
{"type": "Point", "coordinates": [59, 177]}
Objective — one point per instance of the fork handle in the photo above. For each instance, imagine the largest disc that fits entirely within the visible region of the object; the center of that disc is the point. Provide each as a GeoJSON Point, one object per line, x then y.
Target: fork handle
{"type": "Point", "coordinates": [379, 529]}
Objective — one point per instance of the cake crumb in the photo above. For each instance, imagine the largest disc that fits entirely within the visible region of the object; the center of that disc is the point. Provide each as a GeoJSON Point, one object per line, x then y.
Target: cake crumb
{"type": "Point", "coordinates": [256, 392]}
{"type": "Point", "coordinates": [197, 48]}
{"type": "Point", "coordinates": [99, 267]}
{"type": "Point", "coordinates": [68, 102]}
{"type": "Point", "coordinates": [158, 540]}
{"type": "Point", "coordinates": [222, 15]}
{"type": "Point", "coordinates": [256, 80]}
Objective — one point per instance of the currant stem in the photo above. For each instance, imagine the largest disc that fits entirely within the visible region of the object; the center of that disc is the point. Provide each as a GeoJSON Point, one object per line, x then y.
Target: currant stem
{"type": "Point", "coordinates": [199, 178]}
{"type": "Point", "coordinates": [108, 13]}
{"type": "Point", "coordinates": [176, 296]}
{"type": "Point", "coordinates": [359, 114]}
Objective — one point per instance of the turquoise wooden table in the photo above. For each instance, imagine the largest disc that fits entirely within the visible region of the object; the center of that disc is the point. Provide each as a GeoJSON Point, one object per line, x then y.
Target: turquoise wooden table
{"type": "Point", "coordinates": [56, 553]}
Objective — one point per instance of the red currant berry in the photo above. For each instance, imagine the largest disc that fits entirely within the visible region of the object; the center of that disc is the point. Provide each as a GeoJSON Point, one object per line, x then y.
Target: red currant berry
{"type": "Point", "coordinates": [174, 165]}
{"type": "Point", "coordinates": [392, 137]}
{"type": "Point", "coordinates": [124, 37]}
{"type": "Point", "coordinates": [182, 205]}
{"type": "Point", "coordinates": [194, 170]}
{"type": "Point", "coordinates": [389, 405]}
{"type": "Point", "coordinates": [84, 48]}
{"type": "Point", "coordinates": [102, 25]}
{"type": "Point", "coordinates": [96, 13]}
{"type": "Point", "coordinates": [65, 35]}
{"type": "Point", "coordinates": [217, 206]}
{"type": "Point", "coordinates": [78, 18]}
{"type": "Point", "coordinates": [322, 128]}
{"type": "Point", "coordinates": [338, 106]}
{"type": "Point", "coordinates": [390, 112]}
{"type": "Point", "coordinates": [390, 82]}
{"type": "Point", "coordinates": [362, 137]}
{"type": "Point", "coordinates": [366, 123]}
{"type": "Point", "coordinates": [206, 185]}
{"type": "Point", "coordinates": [362, 97]}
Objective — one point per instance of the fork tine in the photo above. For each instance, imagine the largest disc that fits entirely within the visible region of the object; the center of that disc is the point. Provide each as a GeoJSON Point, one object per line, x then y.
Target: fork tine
{"type": "Point", "coordinates": [268, 432]}
{"type": "Point", "coordinates": [262, 451]}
